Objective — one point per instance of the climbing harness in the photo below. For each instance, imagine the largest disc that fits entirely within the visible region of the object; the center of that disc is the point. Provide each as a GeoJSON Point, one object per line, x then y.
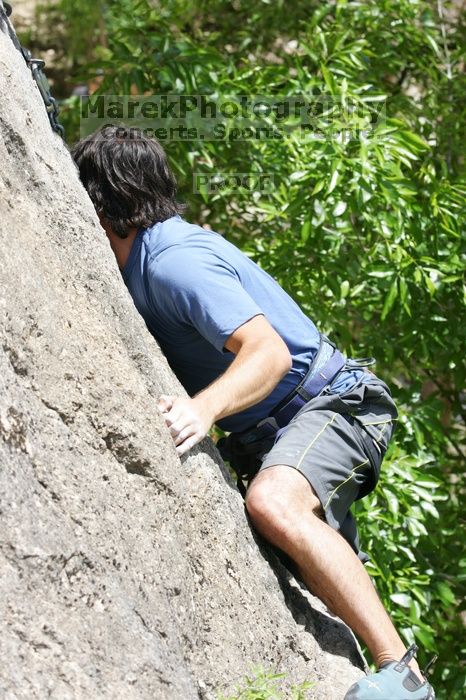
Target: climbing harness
{"type": "Point", "coordinates": [36, 66]}
{"type": "Point", "coordinates": [244, 451]}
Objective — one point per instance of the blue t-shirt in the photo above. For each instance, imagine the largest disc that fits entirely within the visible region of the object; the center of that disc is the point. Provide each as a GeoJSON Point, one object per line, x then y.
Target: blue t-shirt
{"type": "Point", "coordinates": [194, 289]}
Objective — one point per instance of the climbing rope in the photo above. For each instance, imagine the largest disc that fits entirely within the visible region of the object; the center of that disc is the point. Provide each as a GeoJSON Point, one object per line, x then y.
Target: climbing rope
{"type": "Point", "coordinates": [36, 66]}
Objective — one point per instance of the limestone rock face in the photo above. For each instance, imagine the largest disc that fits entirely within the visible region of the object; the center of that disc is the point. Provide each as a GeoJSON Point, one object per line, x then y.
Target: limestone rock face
{"type": "Point", "coordinates": [125, 572]}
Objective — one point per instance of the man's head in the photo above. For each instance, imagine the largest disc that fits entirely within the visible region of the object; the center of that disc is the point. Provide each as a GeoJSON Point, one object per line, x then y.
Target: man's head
{"type": "Point", "coordinates": [127, 178]}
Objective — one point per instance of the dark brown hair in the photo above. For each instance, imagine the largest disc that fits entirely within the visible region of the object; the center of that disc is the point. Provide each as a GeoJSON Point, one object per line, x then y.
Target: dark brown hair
{"type": "Point", "coordinates": [127, 177]}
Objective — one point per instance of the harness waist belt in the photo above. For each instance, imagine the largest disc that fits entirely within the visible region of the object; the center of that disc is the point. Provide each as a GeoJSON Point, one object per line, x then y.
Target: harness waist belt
{"type": "Point", "coordinates": [311, 385]}
{"type": "Point", "coordinates": [317, 378]}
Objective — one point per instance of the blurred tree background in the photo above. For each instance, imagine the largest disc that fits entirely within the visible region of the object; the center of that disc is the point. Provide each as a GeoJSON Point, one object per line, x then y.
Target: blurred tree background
{"type": "Point", "coordinates": [364, 224]}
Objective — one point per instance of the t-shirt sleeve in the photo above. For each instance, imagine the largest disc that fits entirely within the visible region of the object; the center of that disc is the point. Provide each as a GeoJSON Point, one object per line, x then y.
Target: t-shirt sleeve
{"type": "Point", "coordinates": [204, 292]}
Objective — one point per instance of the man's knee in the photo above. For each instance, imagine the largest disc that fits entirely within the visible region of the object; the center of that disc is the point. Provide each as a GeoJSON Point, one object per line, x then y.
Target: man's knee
{"type": "Point", "coordinates": [278, 499]}
{"type": "Point", "coordinates": [264, 507]}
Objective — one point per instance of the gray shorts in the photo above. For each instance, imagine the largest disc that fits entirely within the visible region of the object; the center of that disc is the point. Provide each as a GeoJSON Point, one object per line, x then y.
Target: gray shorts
{"type": "Point", "coordinates": [337, 441]}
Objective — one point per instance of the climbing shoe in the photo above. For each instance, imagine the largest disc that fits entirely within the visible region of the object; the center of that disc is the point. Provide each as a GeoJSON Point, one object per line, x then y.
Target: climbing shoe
{"type": "Point", "coordinates": [393, 681]}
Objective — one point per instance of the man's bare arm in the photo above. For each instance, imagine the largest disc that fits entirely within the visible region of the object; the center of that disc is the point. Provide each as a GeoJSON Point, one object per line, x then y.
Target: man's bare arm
{"type": "Point", "coordinates": [262, 359]}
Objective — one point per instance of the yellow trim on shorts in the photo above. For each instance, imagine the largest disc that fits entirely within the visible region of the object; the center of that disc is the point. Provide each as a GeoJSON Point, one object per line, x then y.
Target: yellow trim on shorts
{"type": "Point", "coordinates": [315, 438]}
{"type": "Point", "coordinates": [377, 422]}
{"type": "Point", "coordinates": [381, 432]}
{"type": "Point", "coordinates": [344, 482]}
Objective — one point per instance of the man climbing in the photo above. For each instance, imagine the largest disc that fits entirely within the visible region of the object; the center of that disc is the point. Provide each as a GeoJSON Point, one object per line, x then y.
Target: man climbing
{"type": "Point", "coordinates": [314, 425]}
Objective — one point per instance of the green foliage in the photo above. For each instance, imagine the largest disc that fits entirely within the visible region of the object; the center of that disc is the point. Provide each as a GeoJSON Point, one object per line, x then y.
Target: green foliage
{"type": "Point", "coordinates": [364, 225]}
{"type": "Point", "coordinates": [404, 534]}
{"type": "Point", "coordinates": [266, 685]}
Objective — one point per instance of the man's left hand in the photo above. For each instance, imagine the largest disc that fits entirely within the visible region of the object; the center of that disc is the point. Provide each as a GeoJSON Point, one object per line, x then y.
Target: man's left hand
{"type": "Point", "coordinates": [189, 420]}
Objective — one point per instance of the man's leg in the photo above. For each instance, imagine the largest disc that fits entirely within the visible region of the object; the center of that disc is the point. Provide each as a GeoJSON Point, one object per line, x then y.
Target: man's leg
{"type": "Point", "coordinates": [285, 510]}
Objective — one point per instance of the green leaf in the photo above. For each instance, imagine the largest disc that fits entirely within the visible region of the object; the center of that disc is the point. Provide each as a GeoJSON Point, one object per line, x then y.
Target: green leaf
{"type": "Point", "coordinates": [446, 594]}
{"type": "Point", "coordinates": [434, 44]}
{"type": "Point", "coordinates": [403, 287]}
{"type": "Point", "coordinates": [305, 231]}
{"type": "Point", "coordinates": [344, 289]}
{"type": "Point", "coordinates": [318, 187]}
{"type": "Point", "coordinates": [339, 208]}
{"type": "Point", "coordinates": [334, 178]}
{"type": "Point", "coordinates": [329, 80]}
{"type": "Point", "coordinates": [390, 299]}
{"type": "Point", "coordinates": [299, 175]}
{"type": "Point", "coordinates": [425, 636]}
{"type": "Point", "coordinates": [402, 599]}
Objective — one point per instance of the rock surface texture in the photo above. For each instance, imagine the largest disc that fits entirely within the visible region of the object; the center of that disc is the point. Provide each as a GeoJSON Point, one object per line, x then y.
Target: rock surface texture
{"type": "Point", "coordinates": [125, 572]}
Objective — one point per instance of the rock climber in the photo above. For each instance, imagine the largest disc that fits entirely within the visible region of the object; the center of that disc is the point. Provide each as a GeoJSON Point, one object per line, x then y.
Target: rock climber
{"type": "Point", "coordinates": [308, 428]}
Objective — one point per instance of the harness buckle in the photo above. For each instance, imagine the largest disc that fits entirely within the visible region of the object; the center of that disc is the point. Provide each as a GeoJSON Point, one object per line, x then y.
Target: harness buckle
{"type": "Point", "coordinates": [359, 362]}
{"type": "Point", "coordinates": [267, 427]}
